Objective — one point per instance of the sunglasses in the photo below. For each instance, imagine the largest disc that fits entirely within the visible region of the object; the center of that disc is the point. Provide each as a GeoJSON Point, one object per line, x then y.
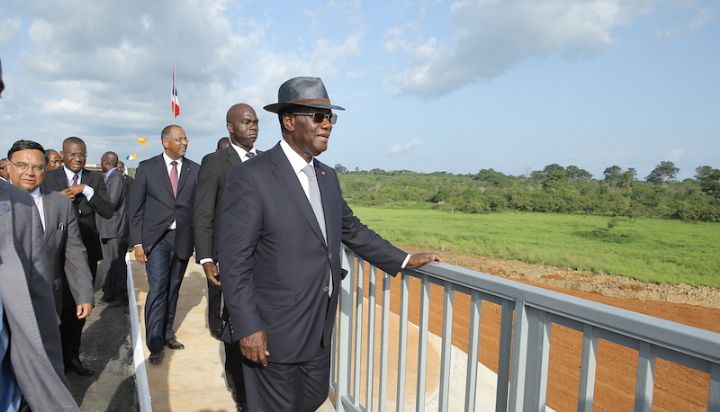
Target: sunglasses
{"type": "Point", "coordinates": [319, 117]}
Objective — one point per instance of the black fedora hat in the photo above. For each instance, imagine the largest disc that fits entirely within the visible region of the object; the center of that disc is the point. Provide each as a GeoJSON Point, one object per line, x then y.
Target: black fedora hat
{"type": "Point", "coordinates": [303, 92]}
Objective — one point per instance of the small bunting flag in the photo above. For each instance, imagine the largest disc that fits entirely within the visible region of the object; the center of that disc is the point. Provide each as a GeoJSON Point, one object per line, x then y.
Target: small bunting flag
{"type": "Point", "coordinates": [142, 140]}
{"type": "Point", "coordinates": [131, 156]}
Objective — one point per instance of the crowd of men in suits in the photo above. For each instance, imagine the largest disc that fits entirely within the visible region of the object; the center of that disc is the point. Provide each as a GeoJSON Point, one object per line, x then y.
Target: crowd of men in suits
{"type": "Point", "coordinates": [267, 228]}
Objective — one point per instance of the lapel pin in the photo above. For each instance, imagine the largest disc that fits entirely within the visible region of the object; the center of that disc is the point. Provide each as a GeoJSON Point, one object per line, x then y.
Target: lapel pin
{"type": "Point", "coordinates": [322, 172]}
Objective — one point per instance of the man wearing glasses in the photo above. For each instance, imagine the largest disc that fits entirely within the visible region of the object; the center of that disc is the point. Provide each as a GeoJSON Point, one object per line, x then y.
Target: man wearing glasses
{"type": "Point", "coordinates": [284, 220]}
{"type": "Point", "coordinates": [87, 192]}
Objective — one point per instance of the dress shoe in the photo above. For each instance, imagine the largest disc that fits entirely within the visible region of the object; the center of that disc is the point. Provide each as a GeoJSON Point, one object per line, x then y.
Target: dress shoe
{"type": "Point", "coordinates": [76, 365]}
{"type": "Point", "coordinates": [156, 357]}
{"type": "Point", "coordinates": [174, 344]}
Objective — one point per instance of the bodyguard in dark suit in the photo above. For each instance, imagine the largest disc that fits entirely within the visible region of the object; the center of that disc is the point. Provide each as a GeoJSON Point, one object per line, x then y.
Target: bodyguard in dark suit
{"type": "Point", "coordinates": [284, 220]}
{"type": "Point", "coordinates": [242, 124]}
{"type": "Point", "coordinates": [114, 232]}
{"type": "Point", "coordinates": [161, 219]}
{"type": "Point", "coordinates": [87, 192]}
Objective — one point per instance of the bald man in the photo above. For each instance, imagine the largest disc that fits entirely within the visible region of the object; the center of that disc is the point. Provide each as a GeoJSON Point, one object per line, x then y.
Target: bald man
{"type": "Point", "coordinates": [242, 124]}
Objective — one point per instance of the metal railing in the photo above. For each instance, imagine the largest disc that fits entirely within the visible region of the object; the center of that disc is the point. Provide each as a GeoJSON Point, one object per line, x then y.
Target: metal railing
{"type": "Point", "coordinates": [527, 314]}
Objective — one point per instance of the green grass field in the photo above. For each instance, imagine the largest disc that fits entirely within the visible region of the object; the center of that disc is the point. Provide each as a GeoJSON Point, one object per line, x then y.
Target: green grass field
{"type": "Point", "coordinates": [650, 250]}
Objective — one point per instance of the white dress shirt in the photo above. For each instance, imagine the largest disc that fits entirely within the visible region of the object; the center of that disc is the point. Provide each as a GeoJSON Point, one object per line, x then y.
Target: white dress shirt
{"type": "Point", "coordinates": [298, 164]}
{"type": "Point", "coordinates": [37, 197]}
{"type": "Point", "coordinates": [88, 191]}
{"type": "Point", "coordinates": [168, 166]}
{"type": "Point", "coordinates": [242, 153]}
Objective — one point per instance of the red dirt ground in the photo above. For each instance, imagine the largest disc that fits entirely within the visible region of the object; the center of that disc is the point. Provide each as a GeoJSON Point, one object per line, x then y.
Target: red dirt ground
{"type": "Point", "coordinates": [676, 388]}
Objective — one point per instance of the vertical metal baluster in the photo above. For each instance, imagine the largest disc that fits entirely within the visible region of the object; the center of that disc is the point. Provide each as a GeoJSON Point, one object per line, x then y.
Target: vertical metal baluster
{"type": "Point", "coordinates": [473, 350]}
{"type": "Point", "coordinates": [446, 358]}
{"type": "Point", "coordinates": [402, 344]}
{"type": "Point", "coordinates": [370, 369]}
{"type": "Point", "coordinates": [503, 376]}
{"type": "Point", "coordinates": [384, 344]}
{"type": "Point", "coordinates": [714, 392]}
{"type": "Point", "coordinates": [422, 343]}
{"type": "Point", "coordinates": [359, 304]}
{"type": "Point", "coordinates": [344, 327]}
{"type": "Point", "coordinates": [587, 371]}
{"type": "Point", "coordinates": [645, 379]}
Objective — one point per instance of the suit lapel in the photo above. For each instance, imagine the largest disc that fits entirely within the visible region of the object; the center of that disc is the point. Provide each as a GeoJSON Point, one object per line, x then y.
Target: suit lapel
{"type": "Point", "coordinates": [48, 212]}
{"type": "Point", "coordinates": [184, 173]}
{"type": "Point", "coordinates": [162, 171]}
{"type": "Point", "coordinates": [328, 190]}
{"type": "Point", "coordinates": [60, 178]}
{"type": "Point", "coordinates": [232, 157]}
{"type": "Point", "coordinates": [289, 182]}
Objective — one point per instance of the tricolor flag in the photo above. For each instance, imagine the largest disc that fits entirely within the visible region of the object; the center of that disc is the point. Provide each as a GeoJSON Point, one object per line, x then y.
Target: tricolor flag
{"type": "Point", "coordinates": [131, 156]}
{"type": "Point", "coordinates": [174, 103]}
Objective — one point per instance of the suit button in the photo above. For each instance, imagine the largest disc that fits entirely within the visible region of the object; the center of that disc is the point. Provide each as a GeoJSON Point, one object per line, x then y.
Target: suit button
{"type": "Point", "coordinates": [326, 289]}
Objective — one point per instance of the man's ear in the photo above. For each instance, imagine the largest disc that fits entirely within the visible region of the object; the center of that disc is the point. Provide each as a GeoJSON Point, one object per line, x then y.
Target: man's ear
{"type": "Point", "coordinates": [288, 122]}
{"type": "Point", "coordinates": [229, 128]}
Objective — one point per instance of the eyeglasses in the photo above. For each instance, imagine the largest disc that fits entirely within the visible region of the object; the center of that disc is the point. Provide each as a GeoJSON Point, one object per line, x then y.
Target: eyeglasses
{"type": "Point", "coordinates": [318, 117]}
{"type": "Point", "coordinates": [23, 167]}
{"type": "Point", "coordinates": [75, 155]}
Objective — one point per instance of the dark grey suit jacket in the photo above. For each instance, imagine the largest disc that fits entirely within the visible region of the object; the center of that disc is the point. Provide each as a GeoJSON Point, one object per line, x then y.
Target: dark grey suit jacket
{"type": "Point", "coordinates": [273, 258]}
{"type": "Point", "coordinates": [117, 225]}
{"type": "Point", "coordinates": [213, 174]}
{"type": "Point", "coordinates": [153, 206]}
{"type": "Point", "coordinates": [67, 257]}
{"type": "Point", "coordinates": [56, 180]}
{"type": "Point", "coordinates": [35, 350]}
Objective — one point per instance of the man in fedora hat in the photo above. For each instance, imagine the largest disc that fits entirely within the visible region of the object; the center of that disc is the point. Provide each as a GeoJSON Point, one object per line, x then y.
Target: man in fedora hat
{"type": "Point", "coordinates": [284, 219]}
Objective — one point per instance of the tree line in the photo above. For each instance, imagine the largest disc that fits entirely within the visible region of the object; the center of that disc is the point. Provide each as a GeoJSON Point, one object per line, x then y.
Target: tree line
{"type": "Point", "coordinates": [555, 188]}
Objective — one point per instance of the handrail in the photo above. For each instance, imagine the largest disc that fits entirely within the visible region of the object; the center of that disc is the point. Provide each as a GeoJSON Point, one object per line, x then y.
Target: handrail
{"type": "Point", "coordinates": [527, 315]}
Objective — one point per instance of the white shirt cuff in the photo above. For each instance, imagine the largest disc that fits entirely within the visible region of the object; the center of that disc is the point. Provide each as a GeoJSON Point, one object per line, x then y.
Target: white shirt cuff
{"type": "Point", "coordinates": [205, 260]}
{"type": "Point", "coordinates": [405, 262]}
{"type": "Point", "coordinates": [88, 192]}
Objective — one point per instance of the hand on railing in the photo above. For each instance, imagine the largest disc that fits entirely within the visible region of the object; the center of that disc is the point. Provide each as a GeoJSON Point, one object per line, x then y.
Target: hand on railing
{"type": "Point", "coordinates": [254, 347]}
{"type": "Point", "coordinates": [419, 259]}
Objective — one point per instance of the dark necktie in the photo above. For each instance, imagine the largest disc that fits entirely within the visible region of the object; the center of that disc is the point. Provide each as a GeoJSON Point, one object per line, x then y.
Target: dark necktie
{"type": "Point", "coordinates": [174, 177]}
{"type": "Point", "coordinates": [75, 180]}
{"type": "Point", "coordinates": [249, 155]}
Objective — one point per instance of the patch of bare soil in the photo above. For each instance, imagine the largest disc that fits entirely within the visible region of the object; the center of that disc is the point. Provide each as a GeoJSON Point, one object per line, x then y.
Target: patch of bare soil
{"type": "Point", "coordinates": [676, 388]}
{"type": "Point", "coordinates": [576, 280]}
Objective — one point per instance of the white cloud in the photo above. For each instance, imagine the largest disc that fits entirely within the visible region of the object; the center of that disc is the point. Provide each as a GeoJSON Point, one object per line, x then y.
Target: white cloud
{"type": "Point", "coordinates": [405, 147]}
{"type": "Point", "coordinates": [8, 28]}
{"type": "Point", "coordinates": [104, 73]}
{"type": "Point", "coordinates": [491, 37]}
{"type": "Point", "coordinates": [700, 19]}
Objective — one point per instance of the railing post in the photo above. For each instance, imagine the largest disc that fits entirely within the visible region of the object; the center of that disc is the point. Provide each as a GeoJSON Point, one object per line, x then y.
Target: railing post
{"type": "Point", "coordinates": [587, 371]}
{"type": "Point", "coordinates": [645, 378]}
{"type": "Point", "coordinates": [503, 377]}
{"type": "Point", "coordinates": [519, 357]}
{"type": "Point", "coordinates": [344, 327]}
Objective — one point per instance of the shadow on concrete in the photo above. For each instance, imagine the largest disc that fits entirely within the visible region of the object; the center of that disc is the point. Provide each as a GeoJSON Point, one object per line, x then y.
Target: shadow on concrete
{"type": "Point", "coordinates": [106, 349]}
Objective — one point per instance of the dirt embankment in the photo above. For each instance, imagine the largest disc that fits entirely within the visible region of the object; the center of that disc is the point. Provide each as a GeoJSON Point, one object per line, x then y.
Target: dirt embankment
{"type": "Point", "coordinates": [676, 387]}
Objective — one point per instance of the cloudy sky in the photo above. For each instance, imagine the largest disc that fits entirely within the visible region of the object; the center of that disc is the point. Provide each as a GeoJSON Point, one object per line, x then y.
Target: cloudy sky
{"type": "Point", "coordinates": [431, 85]}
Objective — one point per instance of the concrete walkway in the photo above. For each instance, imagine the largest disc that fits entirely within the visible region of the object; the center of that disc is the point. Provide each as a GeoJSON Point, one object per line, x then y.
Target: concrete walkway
{"type": "Point", "coordinates": [192, 379]}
